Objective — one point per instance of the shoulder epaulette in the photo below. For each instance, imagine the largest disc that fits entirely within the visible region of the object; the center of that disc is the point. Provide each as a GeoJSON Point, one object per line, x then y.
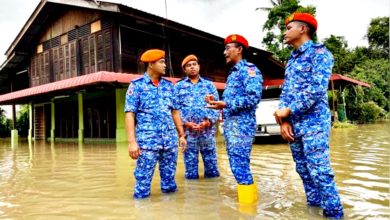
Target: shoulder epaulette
{"type": "Point", "coordinates": [207, 78]}
{"type": "Point", "coordinates": [138, 79]}
{"type": "Point", "coordinates": [166, 80]}
{"type": "Point", "coordinates": [317, 44]}
{"type": "Point", "coordinates": [250, 64]}
{"type": "Point", "coordinates": [181, 79]}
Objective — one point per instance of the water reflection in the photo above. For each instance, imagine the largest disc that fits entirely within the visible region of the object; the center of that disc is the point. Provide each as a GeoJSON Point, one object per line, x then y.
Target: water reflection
{"type": "Point", "coordinates": [44, 180]}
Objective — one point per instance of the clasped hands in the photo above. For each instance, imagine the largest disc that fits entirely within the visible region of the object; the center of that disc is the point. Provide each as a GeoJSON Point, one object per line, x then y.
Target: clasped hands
{"type": "Point", "coordinates": [198, 127]}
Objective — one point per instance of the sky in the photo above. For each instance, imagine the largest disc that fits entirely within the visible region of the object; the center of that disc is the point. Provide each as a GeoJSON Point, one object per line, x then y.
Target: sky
{"type": "Point", "coordinates": [348, 18]}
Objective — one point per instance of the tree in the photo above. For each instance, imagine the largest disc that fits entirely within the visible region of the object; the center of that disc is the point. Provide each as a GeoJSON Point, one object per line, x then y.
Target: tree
{"type": "Point", "coordinates": [337, 45]}
{"type": "Point", "coordinates": [22, 121]}
{"type": "Point", "coordinates": [4, 124]}
{"type": "Point", "coordinates": [370, 65]}
{"type": "Point", "coordinates": [345, 59]}
{"type": "Point", "coordinates": [275, 26]}
{"type": "Point", "coordinates": [376, 73]}
{"type": "Point", "coordinates": [378, 35]}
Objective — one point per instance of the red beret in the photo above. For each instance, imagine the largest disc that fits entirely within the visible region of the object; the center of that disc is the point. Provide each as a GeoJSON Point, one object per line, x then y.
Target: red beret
{"type": "Point", "coordinates": [188, 59]}
{"type": "Point", "coordinates": [235, 38]}
{"type": "Point", "coordinates": [152, 55]}
{"type": "Point", "coordinates": [304, 17]}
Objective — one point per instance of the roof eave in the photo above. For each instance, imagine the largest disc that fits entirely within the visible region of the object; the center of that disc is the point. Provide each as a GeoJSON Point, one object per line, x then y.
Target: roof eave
{"type": "Point", "coordinates": [104, 6]}
{"type": "Point", "coordinates": [25, 28]}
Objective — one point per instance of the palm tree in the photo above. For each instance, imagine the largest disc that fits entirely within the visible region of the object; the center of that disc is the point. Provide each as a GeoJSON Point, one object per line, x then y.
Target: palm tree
{"type": "Point", "coordinates": [274, 26]}
{"type": "Point", "coordinates": [274, 4]}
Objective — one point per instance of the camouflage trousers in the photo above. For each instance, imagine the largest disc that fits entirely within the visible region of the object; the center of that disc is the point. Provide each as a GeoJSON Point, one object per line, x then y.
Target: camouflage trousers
{"type": "Point", "coordinates": [143, 173]}
{"type": "Point", "coordinates": [311, 155]}
{"type": "Point", "coordinates": [239, 150]}
{"type": "Point", "coordinates": [205, 144]}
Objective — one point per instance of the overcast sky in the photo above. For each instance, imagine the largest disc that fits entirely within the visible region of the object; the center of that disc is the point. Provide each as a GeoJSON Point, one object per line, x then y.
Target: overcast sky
{"type": "Point", "coordinates": [348, 18]}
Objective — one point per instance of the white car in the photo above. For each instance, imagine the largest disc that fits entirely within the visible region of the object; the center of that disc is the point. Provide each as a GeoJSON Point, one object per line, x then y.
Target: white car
{"type": "Point", "coordinates": [265, 121]}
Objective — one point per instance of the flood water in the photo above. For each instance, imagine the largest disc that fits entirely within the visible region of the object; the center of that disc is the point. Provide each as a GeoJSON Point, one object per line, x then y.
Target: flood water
{"type": "Point", "coordinates": [95, 181]}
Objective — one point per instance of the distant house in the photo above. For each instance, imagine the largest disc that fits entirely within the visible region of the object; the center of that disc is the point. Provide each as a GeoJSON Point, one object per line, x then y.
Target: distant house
{"type": "Point", "coordinates": [73, 60]}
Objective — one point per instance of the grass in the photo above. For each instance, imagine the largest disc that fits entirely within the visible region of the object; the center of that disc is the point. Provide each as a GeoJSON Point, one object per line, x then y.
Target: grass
{"type": "Point", "coordinates": [343, 125]}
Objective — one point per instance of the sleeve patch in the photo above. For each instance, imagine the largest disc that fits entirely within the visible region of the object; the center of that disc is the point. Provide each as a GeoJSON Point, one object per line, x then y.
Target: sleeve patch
{"type": "Point", "coordinates": [130, 91]}
{"type": "Point", "coordinates": [251, 72]}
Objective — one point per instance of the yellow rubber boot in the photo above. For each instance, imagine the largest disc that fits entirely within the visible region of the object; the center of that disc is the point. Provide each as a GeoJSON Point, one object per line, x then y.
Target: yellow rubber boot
{"type": "Point", "coordinates": [247, 194]}
{"type": "Point", "coordinates": [247, 199]}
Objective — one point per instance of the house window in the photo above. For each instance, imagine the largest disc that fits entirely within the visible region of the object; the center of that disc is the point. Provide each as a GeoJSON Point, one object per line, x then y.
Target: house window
{"type": "Point", "coordinates": [64, 39]}
{"type": "Point", "coordinates": [96, 52]}
{"type": "Point", "coordinates": [96, 26]}
{"type": "Point", "coordinates": [39, 48]}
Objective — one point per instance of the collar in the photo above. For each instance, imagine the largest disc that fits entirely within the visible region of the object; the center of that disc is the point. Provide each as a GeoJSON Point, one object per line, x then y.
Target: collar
{"type": "Point", "coordinates": [187, 79]}
{"type": "Point", "coordinates": [148, 79]}
{"type": "Point", "coordinates": [302, 48]}
{"type": "Point", "coordinates": [239, 65]}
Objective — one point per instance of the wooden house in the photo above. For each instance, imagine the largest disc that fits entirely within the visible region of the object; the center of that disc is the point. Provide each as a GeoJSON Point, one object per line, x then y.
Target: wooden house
{"type": "Point", "coordinates": [73, 60]}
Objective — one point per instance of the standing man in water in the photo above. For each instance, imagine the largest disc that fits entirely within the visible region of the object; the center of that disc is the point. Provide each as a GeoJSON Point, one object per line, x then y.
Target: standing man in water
{"type": "Point", "coordinates": [151, 117]}
{"type": "Point", "coordinates": [199, 121]}
{"type": "Point", "coordinates": [240, 99]}
{"type": "Point", "coordinates": [304, 114]}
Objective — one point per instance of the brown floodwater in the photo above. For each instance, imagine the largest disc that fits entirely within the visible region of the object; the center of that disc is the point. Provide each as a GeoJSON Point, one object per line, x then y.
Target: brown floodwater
{"type": "Point", "coordinates": [95, 181]}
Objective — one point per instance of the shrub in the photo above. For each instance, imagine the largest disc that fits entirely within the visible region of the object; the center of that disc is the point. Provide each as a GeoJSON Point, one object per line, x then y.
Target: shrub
{"type": "Point", "coordinates": [370, 112]}
{"type": "Point", "coordinates": [22, 121]}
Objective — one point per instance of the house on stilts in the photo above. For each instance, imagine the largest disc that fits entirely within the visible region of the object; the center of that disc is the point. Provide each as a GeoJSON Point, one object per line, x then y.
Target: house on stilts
{"type": "Point", "coordinates": [73, 60]}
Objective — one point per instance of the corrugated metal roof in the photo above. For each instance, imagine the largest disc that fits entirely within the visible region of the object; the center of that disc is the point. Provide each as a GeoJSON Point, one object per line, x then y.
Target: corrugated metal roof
{"type": "Point", "coordinates": [336, 78]}
{"type": "Point", "coordinates": [122, 78]}
{"type": "Point", "coordinates": [79, 82]}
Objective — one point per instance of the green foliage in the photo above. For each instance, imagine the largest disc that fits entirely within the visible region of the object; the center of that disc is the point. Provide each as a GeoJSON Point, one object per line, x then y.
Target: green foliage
{"type": "Point", "coordinates": [338, 47]}
{"type": "Point", "coordinates": [375, 73]}
{"type": "Point", "coordinates": [360, 110]}
{"type": "Point", "coordinates": [367, 65]}
{"type": "Point", "coordinates": [343, 125]}
{"type": "Point", "coordinates": [5, 124]}
{"type": "Point", "coordinates": [370, 112]}
{"type": "Point", "coordinates": [345, 60]}
{"type": "Point", "coordinates": [22, 121]}
{"type": "Point", "coordinates": [275, 26]}
{"type": "Point", "coordinates": [354, 99]}
{"type": "Point", "coordinates": [378, 35]}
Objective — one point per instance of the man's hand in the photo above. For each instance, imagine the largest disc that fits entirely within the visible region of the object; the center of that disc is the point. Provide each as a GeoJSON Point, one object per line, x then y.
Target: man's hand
{"type": "Point", "coordinates": [204, 124]}
{"type": "Point", "coordinates": [134, 150]}
{"type": "Point", "coordinates": [191, 126]}
{"type": "Point", "coordinates": [216, 104]}
{"type": "Point", "coordinates": [286, 131]}
{"type": "Point", "coordinates": [280, 114]}
{"type": "Point", "coordinates": [183, 144]}
{"type": "Point", "coordinates": [209, 98]}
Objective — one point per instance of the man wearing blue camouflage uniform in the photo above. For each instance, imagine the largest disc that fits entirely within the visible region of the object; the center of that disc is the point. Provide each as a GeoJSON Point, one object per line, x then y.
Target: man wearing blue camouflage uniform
{"type": "Point", "coordinates": [151, 118]}
{"type": "Point", "coordinates": [304, 113]}
{"type": "Point", "coordinates": [240, 99]}
{"type": "Point", "coordinates": [199, 121]}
